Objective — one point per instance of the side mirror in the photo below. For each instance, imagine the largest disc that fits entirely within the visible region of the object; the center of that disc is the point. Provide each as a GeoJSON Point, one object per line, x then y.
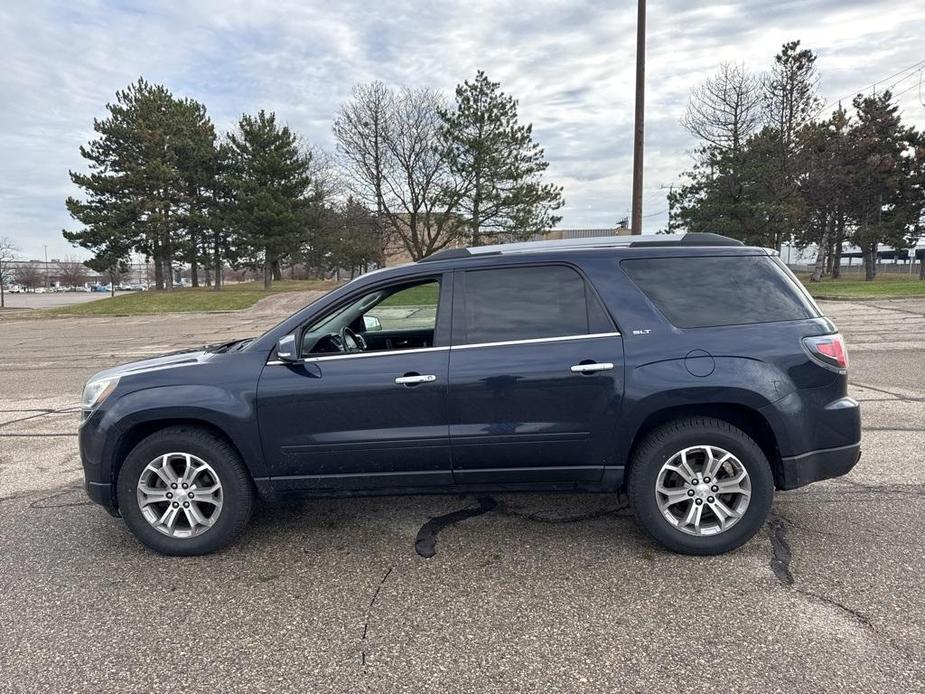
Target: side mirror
{"type": "Point", "coordinates": [371, 324]}
{"type": "Point", "coordinates": [286, 349]}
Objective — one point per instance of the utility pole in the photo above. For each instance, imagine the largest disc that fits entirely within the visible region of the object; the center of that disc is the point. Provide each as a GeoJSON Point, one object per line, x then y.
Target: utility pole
{"type": "Point", "coordinates": [638, 130]}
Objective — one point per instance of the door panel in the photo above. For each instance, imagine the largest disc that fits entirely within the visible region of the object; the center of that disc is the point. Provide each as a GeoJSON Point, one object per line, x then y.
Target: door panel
{"type": "Point", "coordinates": [518, 410]}
{"type": "Point", "coordinates": [519, 413]}
{"type": "Point", "coordinates": [343, 422]}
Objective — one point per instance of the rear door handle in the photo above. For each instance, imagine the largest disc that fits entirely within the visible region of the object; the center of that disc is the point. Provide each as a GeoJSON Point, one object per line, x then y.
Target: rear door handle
{"type": "Point", "coordinates": [415, 379]}
{"type": "Point", "coordinates": [591, 368]}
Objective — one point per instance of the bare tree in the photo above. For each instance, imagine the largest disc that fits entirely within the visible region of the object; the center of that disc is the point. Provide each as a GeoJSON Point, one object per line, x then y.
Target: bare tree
{"type": "Point", "coordinates": [725, 109]}
{"type": "Point", "coordinates": [72, 272]}
{"type": "Point", "coordinates": [28, 276]}
{"type": "Point", "coordinates": [420, 193]}
{"type": "Point", "coordinates": [362, 130]}
{"type": "Point", "coordinates": [8, 251]}
{"type": "Point", "coordinates": [389, 147]}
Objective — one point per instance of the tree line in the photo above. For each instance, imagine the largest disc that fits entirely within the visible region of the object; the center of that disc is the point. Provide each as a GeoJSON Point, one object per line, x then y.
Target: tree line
{"type": "Point", "coordinates": [412, 171]}
{"type": "Point", "coordinates": [772, 169]}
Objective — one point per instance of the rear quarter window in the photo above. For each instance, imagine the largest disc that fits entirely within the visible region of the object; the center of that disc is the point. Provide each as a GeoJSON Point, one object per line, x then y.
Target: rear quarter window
{"type": "Point", "coordinates": [696, 292]}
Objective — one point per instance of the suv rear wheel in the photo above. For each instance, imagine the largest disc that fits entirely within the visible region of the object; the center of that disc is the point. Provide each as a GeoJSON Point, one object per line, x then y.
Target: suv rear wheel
{"type": "Point", "coordinates": [184, 491]}
{"type": "Point", "coordinates": [700, 486]}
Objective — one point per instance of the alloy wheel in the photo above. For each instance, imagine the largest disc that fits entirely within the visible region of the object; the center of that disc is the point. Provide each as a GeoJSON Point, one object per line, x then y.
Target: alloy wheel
{"type": "Point", "coordinates": [703, 490]}
{"type": "Point", "coordinates": [180, 495]}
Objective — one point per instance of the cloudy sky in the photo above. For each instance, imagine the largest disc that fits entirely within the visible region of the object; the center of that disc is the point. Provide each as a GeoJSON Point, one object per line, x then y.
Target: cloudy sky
{"type": "Point", "coordinates": [570, 65]}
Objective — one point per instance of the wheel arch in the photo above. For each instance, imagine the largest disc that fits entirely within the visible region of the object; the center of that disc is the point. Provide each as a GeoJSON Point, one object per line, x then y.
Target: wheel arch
{"type": "Point", "coordinates": [743, 417]}
{"type": "Point", "coordinates": [141, 430]}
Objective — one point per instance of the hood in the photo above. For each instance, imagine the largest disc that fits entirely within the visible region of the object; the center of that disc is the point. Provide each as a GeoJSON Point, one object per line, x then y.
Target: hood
{"type": "Point", "coordinates": [167, 361]}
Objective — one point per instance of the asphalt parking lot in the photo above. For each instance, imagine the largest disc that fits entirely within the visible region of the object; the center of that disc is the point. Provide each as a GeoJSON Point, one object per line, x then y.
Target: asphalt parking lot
{"type": "Point", "coordinates": [522, 593]}
{"type": "Point", "coordinates": [28, 300]}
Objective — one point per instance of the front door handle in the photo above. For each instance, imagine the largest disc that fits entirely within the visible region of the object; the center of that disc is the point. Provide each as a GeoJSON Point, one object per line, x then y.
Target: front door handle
{"type": "Point", "coordinates": [591, 368]}
{"type": "Point", "coordinates": [414, 379]}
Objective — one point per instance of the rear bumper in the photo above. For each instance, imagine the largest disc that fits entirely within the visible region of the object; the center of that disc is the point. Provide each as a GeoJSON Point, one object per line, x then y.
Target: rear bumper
{"type": "Point", "coordinates": [799, 470]}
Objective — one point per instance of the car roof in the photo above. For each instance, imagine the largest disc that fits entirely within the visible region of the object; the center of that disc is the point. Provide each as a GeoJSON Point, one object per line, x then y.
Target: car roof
{"type": "Point", "coordinates": [690, 239]}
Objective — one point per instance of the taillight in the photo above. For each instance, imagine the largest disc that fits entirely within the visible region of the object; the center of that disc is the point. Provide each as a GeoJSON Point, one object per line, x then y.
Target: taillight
{"type": "Point", "coordinates": [828, 350]}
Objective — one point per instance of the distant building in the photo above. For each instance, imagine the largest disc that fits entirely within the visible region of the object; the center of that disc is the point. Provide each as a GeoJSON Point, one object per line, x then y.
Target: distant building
{"type": "Point", "coordinates": [852, 255]}
{"type": "Point", "coordinates": [55, 268]}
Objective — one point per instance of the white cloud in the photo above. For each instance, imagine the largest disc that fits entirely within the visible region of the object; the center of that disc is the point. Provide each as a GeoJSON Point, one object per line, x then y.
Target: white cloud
{"type": "Point", "coordinates": [570, 64]}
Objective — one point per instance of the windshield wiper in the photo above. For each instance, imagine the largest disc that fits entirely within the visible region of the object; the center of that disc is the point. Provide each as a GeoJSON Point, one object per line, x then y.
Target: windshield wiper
{"type": "Point", "coordinates": [230, 346]}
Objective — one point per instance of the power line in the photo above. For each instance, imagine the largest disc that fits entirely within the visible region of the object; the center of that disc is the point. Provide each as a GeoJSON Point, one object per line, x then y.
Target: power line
{"type": "Point", "coordinates": [917, 85]}
{"type": "Point", "coordinates": [911, 69]}
{"type": "Point", "coordinates": [655, 214]}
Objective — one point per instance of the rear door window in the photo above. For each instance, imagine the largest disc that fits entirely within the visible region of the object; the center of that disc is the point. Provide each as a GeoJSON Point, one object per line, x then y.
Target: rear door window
{"type": "Point", "coordinates": [706, 291]}
{"type": "Point", "coordinates": [525, 303]}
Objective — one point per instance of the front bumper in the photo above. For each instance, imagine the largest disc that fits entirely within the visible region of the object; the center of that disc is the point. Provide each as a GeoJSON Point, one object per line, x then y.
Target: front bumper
{"type": "Point", "coordinates": [97, 476]}
{"type": "Point", "coordinates": [799, 470]}
{"type": "Point", "coordinates": [101, 493]}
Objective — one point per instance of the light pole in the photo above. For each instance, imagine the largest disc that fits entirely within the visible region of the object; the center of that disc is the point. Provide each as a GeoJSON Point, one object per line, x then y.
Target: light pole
{"type": "Point", "coordinates": [638, 130]}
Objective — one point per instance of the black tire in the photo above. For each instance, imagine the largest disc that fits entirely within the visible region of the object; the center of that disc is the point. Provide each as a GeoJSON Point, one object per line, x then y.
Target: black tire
{"type": "Point", "coordinates": [664, 442]}
{"type": "Point", "coordinates": [237, 490]}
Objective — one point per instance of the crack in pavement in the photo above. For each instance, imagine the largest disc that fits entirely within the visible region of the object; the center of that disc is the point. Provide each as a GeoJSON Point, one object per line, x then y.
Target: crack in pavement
{"type": "Point", "coordinates": [860, 617]}
{"type": "Point", "coordinates": [783, 555]}
{"type": "Point", "coordinates": [42, 413]}
{"type": "Point", "coordinates": [7, 435]}
{"type": "Point", "coordinates": [780, 565]}
{"type": "Point", "coordinates": [38, 503]}
{"type": "Point", "coordinates": [898, 396]}
{"type": "Point", "coordinates": [918, 429]}
{"type": "Point", "coordinates": [425, 544]}
{"type": "Point", "coordinates": [899, 310]}
{"type": "Point", "coordinates": [369, 610]}
{"type": "Point", "coordinates": [538, 518]}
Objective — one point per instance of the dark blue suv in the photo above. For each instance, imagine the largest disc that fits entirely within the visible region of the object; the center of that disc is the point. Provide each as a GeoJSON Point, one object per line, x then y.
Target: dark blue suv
{"type": "Point", "coordinates": [690, 372]}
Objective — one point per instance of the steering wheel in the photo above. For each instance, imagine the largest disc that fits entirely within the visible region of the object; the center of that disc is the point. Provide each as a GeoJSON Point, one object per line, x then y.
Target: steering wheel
{"type": "Point", "coordinates": [350, 341]}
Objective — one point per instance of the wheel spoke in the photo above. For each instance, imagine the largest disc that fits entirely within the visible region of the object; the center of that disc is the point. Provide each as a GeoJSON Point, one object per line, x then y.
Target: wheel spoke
{"type": "Point", "coordinates": [207, 494]}
{"type": "Point", "coordinates": [723, 513]}
{"type": "Point", "coordinates": [169, 519]}
{"type": "Point", "coordinates": [165, 472]}
{"type": "Point", "coordinates": [734, 485]}
{"type": "Point", "coordinates": [674, 495]}
{"type": "Point", "coordinates": [713, 464]}
{"type": "Point", "coordinates": [153, 495]}
{"type": "Point", "coordinates": [688, 473]}
{"type": "Point", "coordinates": [693, 516]}
{"type": "Point", "coordinates": [197, 518]}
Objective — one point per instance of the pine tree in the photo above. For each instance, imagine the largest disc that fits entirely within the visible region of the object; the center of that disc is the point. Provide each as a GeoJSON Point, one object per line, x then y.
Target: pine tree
{"type": "Point", "coordinates": [150, 171]}
{"type": "Point", "coordinates": [270, 185]}
{"type": "Point", "coordinates": [885, 206]}
{"type": "Point", "coordinates": [199, 164]}
{"type": "Point", "coordinates": [826, 179]}
{"type": "Point", "coordinates": [499, 163]}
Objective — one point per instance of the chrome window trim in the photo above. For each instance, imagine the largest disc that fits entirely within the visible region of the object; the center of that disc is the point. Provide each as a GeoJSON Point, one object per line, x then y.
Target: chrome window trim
{"type": "Point", "coordinates": [537, 340]}
{"type": "Point", "coordinates": [394, 352]}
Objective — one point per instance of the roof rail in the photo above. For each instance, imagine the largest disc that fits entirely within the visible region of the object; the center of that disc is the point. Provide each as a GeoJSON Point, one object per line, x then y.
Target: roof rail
{"type": "Point", "coordinates": [646, 241]}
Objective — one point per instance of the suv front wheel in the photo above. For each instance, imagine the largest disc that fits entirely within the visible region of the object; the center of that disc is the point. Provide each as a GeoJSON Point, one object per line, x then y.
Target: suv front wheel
{"type": "Point", "coordinates": [700, 486]}
{"type": "Point", "coordinates": [184, 491]}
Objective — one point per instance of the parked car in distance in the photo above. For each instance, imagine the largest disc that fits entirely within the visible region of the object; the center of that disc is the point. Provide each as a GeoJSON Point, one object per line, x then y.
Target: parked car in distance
{"type": "Point", "coordinates": [690, 372]}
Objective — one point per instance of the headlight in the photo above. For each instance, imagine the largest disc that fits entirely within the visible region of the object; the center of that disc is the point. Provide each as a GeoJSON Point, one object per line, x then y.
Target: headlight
{"type": "Point", "coordinates": [98, 390]}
